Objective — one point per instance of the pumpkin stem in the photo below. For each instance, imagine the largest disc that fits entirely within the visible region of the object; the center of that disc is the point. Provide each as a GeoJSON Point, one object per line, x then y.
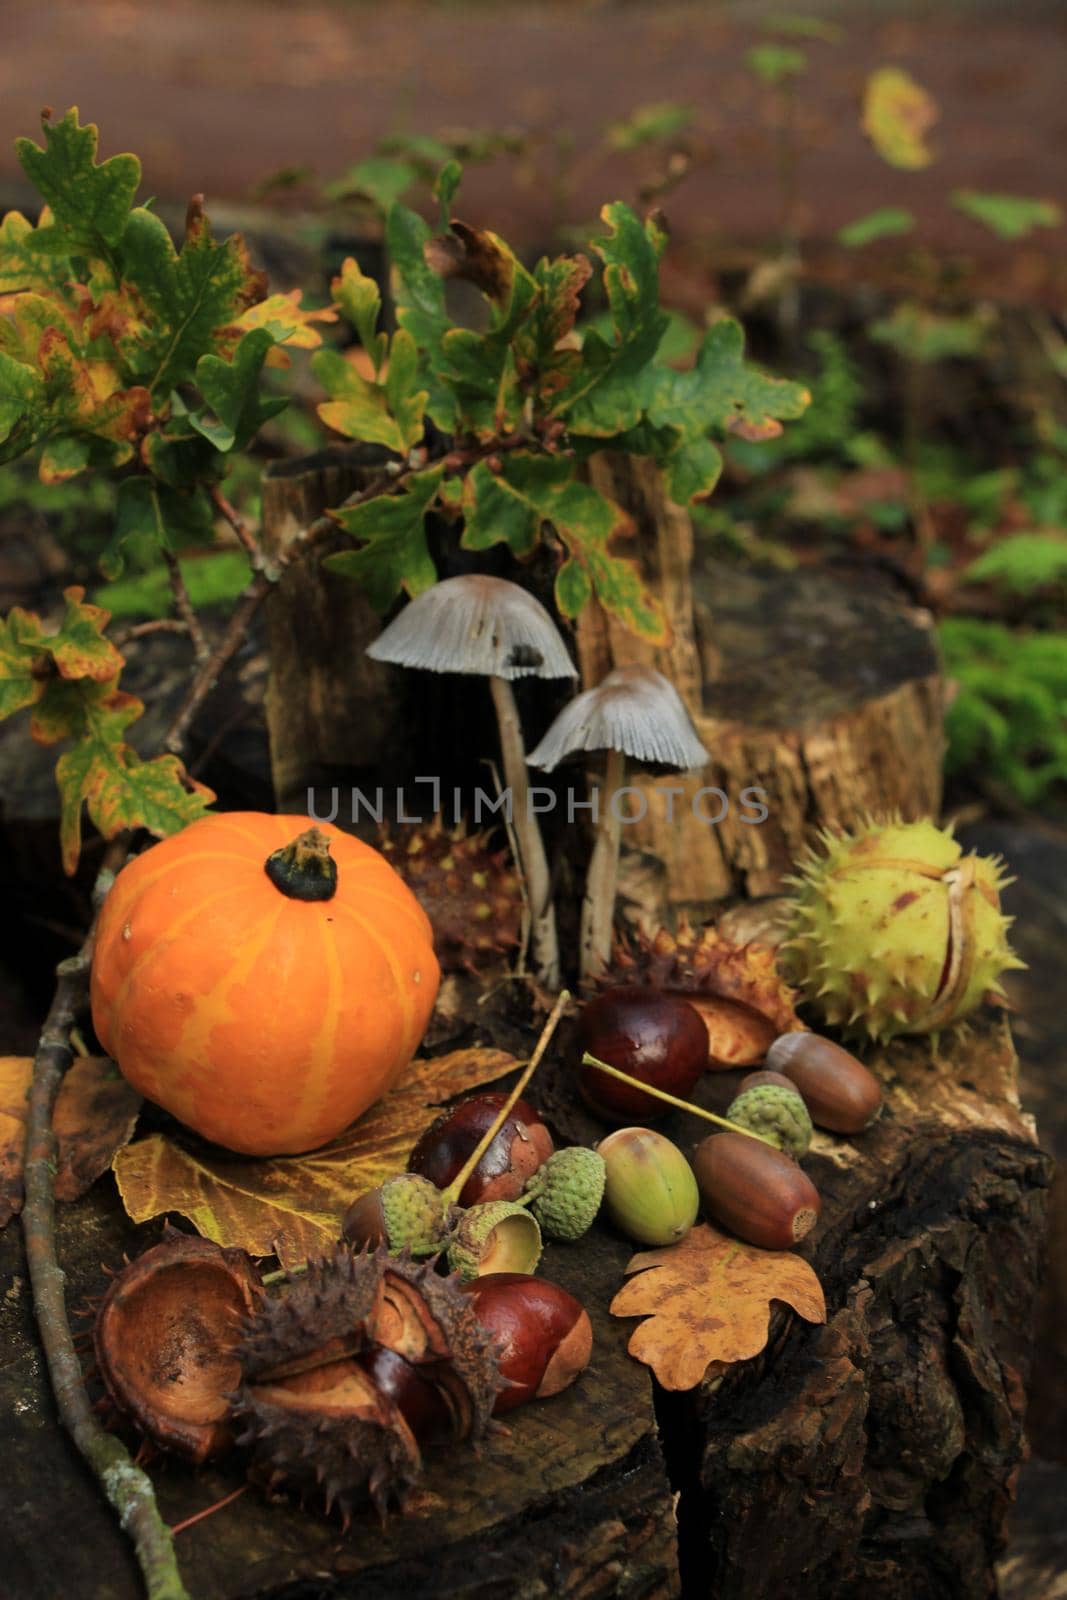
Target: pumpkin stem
{"type": "Point", "coordinates": [304, 870]}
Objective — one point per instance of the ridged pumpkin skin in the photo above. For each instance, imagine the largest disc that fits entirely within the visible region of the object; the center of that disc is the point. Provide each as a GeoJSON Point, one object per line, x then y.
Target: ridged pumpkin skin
{"type": "Point", "coordinates": [265, 1023]}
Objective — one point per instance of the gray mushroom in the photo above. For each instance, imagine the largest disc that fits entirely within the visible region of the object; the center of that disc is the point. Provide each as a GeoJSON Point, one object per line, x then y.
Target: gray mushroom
{"type": "Point", "coordinates": [491, 628]}
{"type": "Point", "coordinates": [634, 713]}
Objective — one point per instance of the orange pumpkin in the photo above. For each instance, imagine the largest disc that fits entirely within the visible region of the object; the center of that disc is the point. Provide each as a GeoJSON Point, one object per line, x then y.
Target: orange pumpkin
{"type": "Point", "coordinates": [263, 979]}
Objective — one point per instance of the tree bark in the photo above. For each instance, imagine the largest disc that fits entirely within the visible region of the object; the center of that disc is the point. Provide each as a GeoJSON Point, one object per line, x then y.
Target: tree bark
{"type": "Point", "coordinates": [819, 692]}
{"type": "Point", "coordinates": [330, 710]}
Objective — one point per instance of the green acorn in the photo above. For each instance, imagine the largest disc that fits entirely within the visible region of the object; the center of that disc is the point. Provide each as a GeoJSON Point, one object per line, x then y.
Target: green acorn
{"type": "Point", "coordinates": [406, 1212]}
{"type": "Point", "coordinates": [777, 1113]}
{"type": "Point", "coordinates": [500, 1236]}
{"type": "Point", "coordinates": [564, 1193]}
{"type": "Point", "coordinates": [894, 930]}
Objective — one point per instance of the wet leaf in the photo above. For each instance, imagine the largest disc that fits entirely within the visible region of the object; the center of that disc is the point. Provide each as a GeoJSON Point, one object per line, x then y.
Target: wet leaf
{"type": "Point", "coordinates": [292, 1206]}
{"type": "Point", "coordinates": [90, 202]}
{"type": "Point", "coordinates": [708, 1299]}
{"type": "Point", "coordinates": [898, 113]}
{"type": "Point", "coordinates": [95, 1115]}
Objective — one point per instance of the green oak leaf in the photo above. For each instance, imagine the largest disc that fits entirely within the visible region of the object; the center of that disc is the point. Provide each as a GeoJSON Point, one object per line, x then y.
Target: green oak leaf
{"type": "Point", "coordinates": [511, 506]}
{"type": "Point", "coordinates": [389, 413]}
{"type": "Point", "coordinates": [445, 189]}
{"type": "Point", "coordinates": [380, 179]}
{"type": "Point", "coordinates": [606, 393]}
{"type": "Point", "coordinates": [885, 223]}
{"type": "Point", "coordinates": [23, 267]}
{"type": "Point", "coordinates": [231, 389]}
{"type": "Point", "coordinates": [23, 406]}
{"type": "Point", "coordinates": [90, 202]}
{"type": "Point", "coordinates": [394, 556]}
{"type": "Point", "coordinates": [559, 284]}
{"type": "Point", "coordinates": [722, 393]}
{"type": "Point", "coordinates": [192, 295]}
{"type": "Point", "coordinates": [360, 299]}
{"type": "Point", "coordinates": [77, 649]}
{"type": "Point", "coordinates": [103, 773]}
{"type": "Point", "coordinates": [150, 516]}
{"type": "Point", "coordinates": [419, 296]}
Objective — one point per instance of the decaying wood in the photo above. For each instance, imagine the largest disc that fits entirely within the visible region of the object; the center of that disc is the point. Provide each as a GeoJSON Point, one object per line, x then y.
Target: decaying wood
{"type": "Point", "coordinates": [330, 709]}
{"type": "Point", "coordinates": [877, 1455]}
{"type": "Point", "coordinates": [820, 690]}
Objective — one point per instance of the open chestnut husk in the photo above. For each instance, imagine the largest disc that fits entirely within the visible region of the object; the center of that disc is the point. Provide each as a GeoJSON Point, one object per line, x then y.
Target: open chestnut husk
{"type": "Point", "coordinates": [514, 1155]}
{"type": "Point", "coordinates": [656, 1038]}
{"type": "Point", "coordinates": [166, 1337]}
{"type": "Point", "coordinates": [543, 1335]}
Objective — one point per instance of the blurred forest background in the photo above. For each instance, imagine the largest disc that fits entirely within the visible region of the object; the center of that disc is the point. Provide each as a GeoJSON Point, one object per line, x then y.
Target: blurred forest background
{"type": "Point", "coordinates": [879, 190]}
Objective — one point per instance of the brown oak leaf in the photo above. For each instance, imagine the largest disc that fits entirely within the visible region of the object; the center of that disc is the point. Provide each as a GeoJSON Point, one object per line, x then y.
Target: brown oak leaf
{"type": "Point", "coordinates": [95, 1114]}
{"type": "Point", "coordinates": [708, 1299]}
{"type": "Point", "coordinates": [291, 1206]}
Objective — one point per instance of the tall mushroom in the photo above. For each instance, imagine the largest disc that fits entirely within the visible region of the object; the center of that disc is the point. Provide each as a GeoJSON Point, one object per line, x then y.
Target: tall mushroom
{"type": "Point", "coordinates": [634, 713]}
{"type": "Point", "coordinates": [489, 627]}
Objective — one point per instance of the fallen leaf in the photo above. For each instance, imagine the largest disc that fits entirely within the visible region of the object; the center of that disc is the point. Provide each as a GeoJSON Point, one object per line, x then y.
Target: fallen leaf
{"type": "Point", "coordinates": [96, 1111]}
{"type": "Point", "coordinates": [708, 1299]}
{"type": "Point", "coordinates": [897, 115]}
{"type": "Point", "coordinates": [292, 1206]}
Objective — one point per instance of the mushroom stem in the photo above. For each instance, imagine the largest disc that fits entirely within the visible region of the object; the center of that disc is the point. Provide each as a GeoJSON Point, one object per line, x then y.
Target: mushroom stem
{"type": "Point", "coordinates": [598, 905]}
{"type": "Point", "coordinates": [534, 864]}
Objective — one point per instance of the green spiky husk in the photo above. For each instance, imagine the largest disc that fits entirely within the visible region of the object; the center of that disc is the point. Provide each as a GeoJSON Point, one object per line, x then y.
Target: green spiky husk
{"type": "Point", "coordinates": [566, 1192]}
{"type": "Point", "coordinates": [894, 930]}
{"type": "Point", "coordinates": [339, 1308]}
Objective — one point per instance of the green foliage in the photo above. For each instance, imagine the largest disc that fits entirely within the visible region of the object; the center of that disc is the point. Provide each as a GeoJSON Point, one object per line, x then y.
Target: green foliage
{"type": "Point", "coordinates": [1008, 721]}
{"type": "Point", "coordinates": [776, 64]}
{"type": "Point", "coordinates": [887, 222]}
{"type": "Point", "coordinates": [531, 396]}
{"type": "Point", "coordinates": [650, 124]}
{"type": "Point", "coordinates": [1023, 563]}
{"type": "Point", "coordinates": [920, 334]}
{"type": "Point", "coordinates": [828, 429]}
{"type": "Point", "coordinates": [70, 679]}
{"type": "Point", "coordinates": [215, 578]}
{"type": "Point", "coordinates": [1009, 216]}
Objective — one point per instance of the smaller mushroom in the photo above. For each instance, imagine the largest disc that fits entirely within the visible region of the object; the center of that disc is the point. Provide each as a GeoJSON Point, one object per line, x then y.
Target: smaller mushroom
{"type": "Point", "coordinates": [634, 713]}
{"type": "Point", "coordinates": [485, 626]}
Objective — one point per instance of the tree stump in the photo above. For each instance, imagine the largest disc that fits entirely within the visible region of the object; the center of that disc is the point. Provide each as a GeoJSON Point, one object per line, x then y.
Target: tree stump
{"type": "Point", "coordinates": [822, 692]}
{"type": "Point", "coordinates": [330, 709]}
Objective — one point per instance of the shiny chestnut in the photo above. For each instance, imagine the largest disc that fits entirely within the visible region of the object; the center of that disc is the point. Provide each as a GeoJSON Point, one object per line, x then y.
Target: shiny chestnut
{"type": "Point", "coordinates": [543, 1334]}
{"type": "Point", "coordinates": [655, 1037]}
{"type": "Point", "coordinates": [518, 1150]}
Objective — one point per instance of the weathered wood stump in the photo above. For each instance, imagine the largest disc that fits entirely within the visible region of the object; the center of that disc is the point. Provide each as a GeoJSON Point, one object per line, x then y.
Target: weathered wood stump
{"type": "Point", "coordinates": [876, 1454]}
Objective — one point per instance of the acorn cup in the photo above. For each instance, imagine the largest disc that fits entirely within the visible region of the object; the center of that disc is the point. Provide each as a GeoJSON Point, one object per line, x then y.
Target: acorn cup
{"type": "Point", "coordinates": [498, 1237]}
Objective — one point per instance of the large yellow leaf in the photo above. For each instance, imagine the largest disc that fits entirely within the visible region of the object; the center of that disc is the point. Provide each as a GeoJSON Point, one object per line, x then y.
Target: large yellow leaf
{"type": "Point", "coordinates": [708, 1299]}
{"type": "Point", "coordinates": [95, 1113]}
{"type": "Point", "coordinates": [292, 1206]}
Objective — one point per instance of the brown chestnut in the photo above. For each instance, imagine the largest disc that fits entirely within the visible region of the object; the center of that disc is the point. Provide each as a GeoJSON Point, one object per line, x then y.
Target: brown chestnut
{"type": "Point", "coordinates": [543, 1334]}
{"type": "Point", "coordinates": [419, 1402]}
{"type": "Point", "coordinates": [655, 1037]}
{"type": "Point", "coordinates": [837, 1089]}
{"type": "Point", "coordinates": [518, 1150]}
{"type": "Point", "coordinates": [755, 1191]}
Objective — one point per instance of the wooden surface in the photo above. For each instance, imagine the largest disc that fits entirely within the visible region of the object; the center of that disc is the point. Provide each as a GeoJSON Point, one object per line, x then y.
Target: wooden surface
{"type": "Point", "coordinates": [876, 1454]}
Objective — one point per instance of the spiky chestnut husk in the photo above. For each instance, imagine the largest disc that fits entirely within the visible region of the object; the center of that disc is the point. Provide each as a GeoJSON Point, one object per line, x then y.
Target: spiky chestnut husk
{"type": "Point", "coordinates": [565, 1194]}
{"type": "Point", "coordinates": [894, 930]}
{"type": "Point", "coordinates": [308, 1406]}
{"type": "Point", "coordinates": [500, 1236]}
{"type": "Point", "coordinates": [165, 1341]}
{"type": "Point", "coordinates": [471, 893]}
{"type": "Point", "coordinates": [777, 1113]}
{"type": "Point", "coordinates": [406, 1212]}
{"type": "Point", "coordinates": [737, 988]}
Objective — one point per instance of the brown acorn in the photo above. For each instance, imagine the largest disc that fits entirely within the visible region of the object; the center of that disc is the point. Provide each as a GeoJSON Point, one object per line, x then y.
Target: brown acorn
{"type": "Point", "coordinates": [166, 1338]}
{"type": "Point", "coordinates": [471, 893]}
{"type": "Point", "coordinates": [838, 1090]}
{"type": "Point", "coordinates": [755, 1191]}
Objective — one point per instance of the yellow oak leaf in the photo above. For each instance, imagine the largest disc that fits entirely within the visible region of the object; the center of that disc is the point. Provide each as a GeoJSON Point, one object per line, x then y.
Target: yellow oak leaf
{"type": "Point", "coordinates": [292, 1206]}
{"type": "Point", "coordinates": [897, 115]}
{"type": "Point", "coordinates": [708, 1298]}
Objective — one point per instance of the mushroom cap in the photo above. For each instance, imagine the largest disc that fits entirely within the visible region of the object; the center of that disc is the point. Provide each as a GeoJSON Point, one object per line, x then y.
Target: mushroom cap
{"type": "Point", "coordinates": [476, 624]}
{"type": "Point", "coordinates": [635, 710]}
